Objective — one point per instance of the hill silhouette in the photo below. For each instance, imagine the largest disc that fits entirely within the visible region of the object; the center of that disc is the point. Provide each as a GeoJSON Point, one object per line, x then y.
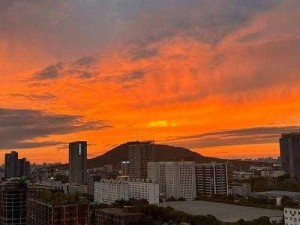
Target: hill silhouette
{"type": "Point", "coordinates": [162, 153]}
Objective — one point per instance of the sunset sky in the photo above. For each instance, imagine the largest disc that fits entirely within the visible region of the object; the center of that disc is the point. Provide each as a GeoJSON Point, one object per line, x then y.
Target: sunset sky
{"type": "Point", "coordinates": [221, 77]}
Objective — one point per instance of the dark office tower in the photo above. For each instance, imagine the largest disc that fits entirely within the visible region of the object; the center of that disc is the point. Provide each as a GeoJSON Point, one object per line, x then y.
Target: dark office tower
{"type": "Point", "coordinates": [27, 168]}
{"type": "Point", "coordinates": [13, 197]}
{"type": "Point", "coordinates": [290, 154]}
{"type": "Point", "coordinates": [78, 162]}
{"type": "Point", "coordinates": [11, 165]}
{"type": "Point", "coordinates": [140, 153]}
{"type": "Point", "coordinates": [22, 167]}
{"type": "Point", "coordinates": [212, 179]}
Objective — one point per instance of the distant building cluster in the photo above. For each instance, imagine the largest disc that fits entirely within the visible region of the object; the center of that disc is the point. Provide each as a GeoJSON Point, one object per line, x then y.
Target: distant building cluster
{"type": "Point", "coordinates": [54, 196]}
{"type": "Point", "coordinates": [15, 167]}
{"type": "Point", "coordinates": [155, 181]}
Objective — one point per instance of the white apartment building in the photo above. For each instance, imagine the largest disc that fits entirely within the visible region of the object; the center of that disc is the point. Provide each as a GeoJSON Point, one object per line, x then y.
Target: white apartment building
{"type": "Point", "coordinates": [109, 191]}
{"type": "Point", "coordinates": [139, 189]}
{"type": "Point", "coordinates": [291, 216]}
{"type": "Point", "coordinates": [57, 185]}
{"type": "Point", "coordinates": [176, 179]}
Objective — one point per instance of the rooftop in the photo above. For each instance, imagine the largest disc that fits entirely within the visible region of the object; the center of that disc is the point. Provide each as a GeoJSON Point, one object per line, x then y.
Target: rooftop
{"type": "Point", "coordinates": [223, 212]}
{"type": "Point", "coordinates": [278, 193]}
{"type": "Point", "coordinates": [118, 212]}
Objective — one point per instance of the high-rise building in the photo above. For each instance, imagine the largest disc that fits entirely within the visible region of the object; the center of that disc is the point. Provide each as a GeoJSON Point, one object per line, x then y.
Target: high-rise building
{"type": "Point", "coordinates": [78, 162]}
{"type": "Point", "coordinates": [176, 179]}
{"type": "Point", "coordinates": [11, 165]}
{"type": "Point", "coordinates": [90, 184]}
{"type": "Point", "coordinates": [140, 153]}
{"type": "Point", "coordinates": [125, 168]}
{"type": "Point", "coordinates": [23, 167]}
{"type": "Point", "coordinates": [212, 179]}
{"type": "Point", "coordinates": [290, 154]}
{"type": "Point", "coordinates": [13, 207]}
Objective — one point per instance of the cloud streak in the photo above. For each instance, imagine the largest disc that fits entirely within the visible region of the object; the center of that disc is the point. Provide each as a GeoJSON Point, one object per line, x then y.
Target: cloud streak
{"type": "Point", "coordinates": [244, 136]}
{"type": "Point", "coordinates": [20, 128]}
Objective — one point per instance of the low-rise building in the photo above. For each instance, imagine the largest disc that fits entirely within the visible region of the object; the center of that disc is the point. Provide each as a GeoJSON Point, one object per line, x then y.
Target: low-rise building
{"type": "Point", "coordinates": [243, 190]}
{"type": "Point", "coordinates": [56, 185]}
{"type": "Point", "coordinates": [277, 194]}
{"type": "Point", "coordinates": [109, 191]}
{"type": "Point", "coordinates": [272, 173]}
{"type": "Point", "coordinates": [242, 175]}
{"type": "Point", "coordinates": [45, 212]}
{"type": "Point", "coordinates": [291, 216]}
{"type": "Point", "coordinates": [117, 216]}
{"type": "Point", "coordinates": [77, 188]}
{"type": "Point", "coordinates": [139, 189]}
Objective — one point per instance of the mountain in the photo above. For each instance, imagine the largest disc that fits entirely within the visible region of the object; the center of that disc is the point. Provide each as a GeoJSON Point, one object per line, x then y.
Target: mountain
{"type": "Point", "coordinates": [162, 153]}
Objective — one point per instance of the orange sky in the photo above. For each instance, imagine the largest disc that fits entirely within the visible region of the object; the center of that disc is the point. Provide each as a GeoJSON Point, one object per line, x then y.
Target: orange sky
{"type": "Point", "coordinates": [219, 77]}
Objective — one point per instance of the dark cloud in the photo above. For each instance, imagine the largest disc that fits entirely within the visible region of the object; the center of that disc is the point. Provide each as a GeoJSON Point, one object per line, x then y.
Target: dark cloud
{"type": "Point", "coordinates": [82, 69]}
{"type": "Point", "coordinates": [142, 53]}
{"type": "Point", "coordinates": [20, 128]}
{"type": "Point", "coordinates": [250, 37]}
{"type": "Point", "coordinates": [42, 97]}
{"type": "Point", "coordinates": [253, 135]}
{"type": "Point", "coordinates": [86, 75]}
{"type": "Point", "coordinates": [72, 28]}
{"type": "Point", "coordinates": [51, 72]}
{"type": "Point", "coordinates": [133, 76]}
{"type": "Point", "coordinates": [87, 61]}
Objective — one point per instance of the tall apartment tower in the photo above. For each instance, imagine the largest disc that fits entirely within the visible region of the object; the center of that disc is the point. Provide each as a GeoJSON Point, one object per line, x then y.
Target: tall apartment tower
{"type": "Point", "coordinates": [11, 165]}
{"type": "Point", "coordinates": [140, 153]}
{"type": "Point", "coordinates": [78, 162]}
{"type": "Point", "coordinates": [13, 206]}
{"type": "Point", "coordinates": [176, 179]}
{"type": "Point", "coordinates": [125, 168]}
{"type": "Point", "coordinates": [212, 179]}
{"type": "Point", "coordinates": [290, 154]}
{"type": "Point", "coordinates": [23, 167]}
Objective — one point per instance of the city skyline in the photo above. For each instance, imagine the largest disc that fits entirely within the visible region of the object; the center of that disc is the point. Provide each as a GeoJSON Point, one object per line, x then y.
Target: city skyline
{"type": "Point", "coordinates": [218, 77]}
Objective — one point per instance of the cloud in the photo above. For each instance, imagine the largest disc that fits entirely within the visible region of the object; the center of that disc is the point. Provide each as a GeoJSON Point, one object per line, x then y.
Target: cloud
{"type": "Point", "coordinates": [87, 28]}
{"type": "Point", "coordinates": [244, 136]}
{"type": "Point", "coordinates": [133, 76]}
{"type": "Point", "coordinates": [86, 61]}
{"type": "Point", "coordinates": [139, 53]}
{"type": "Point", "coordinates": [83, 68]}
{"type": "Point", "coordinates": [20, 128]}
{"type": "Point", "coordinates": [39, 97]}
{"type": "Point", "coordinates": [50, 72]}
